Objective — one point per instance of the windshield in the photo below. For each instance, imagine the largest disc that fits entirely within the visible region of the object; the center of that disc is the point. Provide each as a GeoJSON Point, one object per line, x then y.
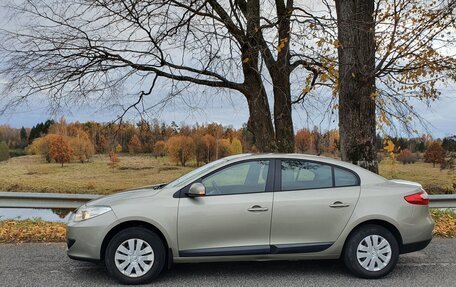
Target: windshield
{"type": "Point", "coordinates": [195, 173]}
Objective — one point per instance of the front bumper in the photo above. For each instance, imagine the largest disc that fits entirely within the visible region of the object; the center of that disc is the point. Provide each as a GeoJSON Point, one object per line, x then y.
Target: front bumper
{"type": "Point", "coordinates": [85, 238]}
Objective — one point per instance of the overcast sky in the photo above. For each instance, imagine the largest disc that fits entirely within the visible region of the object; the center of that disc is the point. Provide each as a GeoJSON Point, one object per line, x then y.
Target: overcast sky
{"type": "Point", "coordinates": [212, 106]}
{"type": "Point", "coordinates": [227, 111]}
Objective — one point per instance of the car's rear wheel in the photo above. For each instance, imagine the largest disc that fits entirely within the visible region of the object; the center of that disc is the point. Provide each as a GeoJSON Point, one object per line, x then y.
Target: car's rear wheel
{"type": "Point", "coordinates": [371, 251]}
{"type": "Point", "coordinates": [135, 256]}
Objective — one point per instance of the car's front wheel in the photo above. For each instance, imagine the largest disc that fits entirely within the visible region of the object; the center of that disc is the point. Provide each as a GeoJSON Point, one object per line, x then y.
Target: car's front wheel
{"type": "Point", "coordinates": [135, 256]}
{"type": "Point", "coordinates": [371, 252]}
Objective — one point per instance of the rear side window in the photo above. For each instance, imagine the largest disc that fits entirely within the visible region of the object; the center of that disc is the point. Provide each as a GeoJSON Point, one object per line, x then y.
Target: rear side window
{"type": "Point", "coordinates": [343, 177]}
{"type": "Point", "coordinates": [301, 174]}
{"type": "Point", "coordinates": [297, 174]}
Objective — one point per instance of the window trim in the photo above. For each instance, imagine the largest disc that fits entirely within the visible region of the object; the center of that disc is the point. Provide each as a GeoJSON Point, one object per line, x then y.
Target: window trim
{"type": "Point", "coordinates": [278, 175]}
{"type": "Point", "coordinates": [269, 187]}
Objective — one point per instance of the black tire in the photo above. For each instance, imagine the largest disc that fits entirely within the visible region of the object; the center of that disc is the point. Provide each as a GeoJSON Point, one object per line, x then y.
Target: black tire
{"type": "Point", "coordinates": [349, 255]}
{"type": "Point", "coordinates": [140, 233]}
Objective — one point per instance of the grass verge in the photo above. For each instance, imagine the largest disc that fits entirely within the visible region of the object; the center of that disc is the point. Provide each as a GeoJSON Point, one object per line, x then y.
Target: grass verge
{"type": "Point", "coordinates": [35, 230]}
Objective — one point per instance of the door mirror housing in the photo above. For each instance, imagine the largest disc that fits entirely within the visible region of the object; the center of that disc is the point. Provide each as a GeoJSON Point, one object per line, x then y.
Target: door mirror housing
{"type": "Point", "coordinates": [196, 189]}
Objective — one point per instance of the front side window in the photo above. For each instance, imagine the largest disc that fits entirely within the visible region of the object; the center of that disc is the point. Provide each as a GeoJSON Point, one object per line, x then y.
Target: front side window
{"type": "Point", "coordinates": [246, 177]}
{"type": "Point", "coordinates": [195, 173]}
{"type": "Point", "coordinates": [298, 174]}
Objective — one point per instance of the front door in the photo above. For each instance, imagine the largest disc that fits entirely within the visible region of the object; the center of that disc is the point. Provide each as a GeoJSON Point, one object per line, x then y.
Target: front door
{"type": "Point", "coordinates": [234, 217]}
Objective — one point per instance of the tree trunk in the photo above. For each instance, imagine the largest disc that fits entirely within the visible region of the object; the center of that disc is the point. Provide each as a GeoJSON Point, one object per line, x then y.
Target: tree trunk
{"type": "Point", "coordinates": [260, 121]}
{"type": "Point", "coordinates": [280, 73]}
{"type": "Point", "coordinates": [282, 113]}
{"type": "Point", "coordinates": [357, 82]}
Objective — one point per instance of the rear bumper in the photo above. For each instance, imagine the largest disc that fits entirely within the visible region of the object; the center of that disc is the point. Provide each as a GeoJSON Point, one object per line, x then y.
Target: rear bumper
{"type": "Point", "coordinates": [415, 246]}
{"type": "Point", "coordinates": [417, 229]}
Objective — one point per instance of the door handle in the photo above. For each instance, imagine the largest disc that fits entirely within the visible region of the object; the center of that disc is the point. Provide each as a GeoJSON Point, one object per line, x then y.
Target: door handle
{"type": "Point", "coordinates": [257, 208]}
{"type": "Point", "coordinates": [339, 204]}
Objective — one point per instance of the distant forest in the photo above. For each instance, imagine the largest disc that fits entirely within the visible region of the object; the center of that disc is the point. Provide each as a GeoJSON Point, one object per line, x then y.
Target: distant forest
{"type": "Point", "coordinates": [183, 142]}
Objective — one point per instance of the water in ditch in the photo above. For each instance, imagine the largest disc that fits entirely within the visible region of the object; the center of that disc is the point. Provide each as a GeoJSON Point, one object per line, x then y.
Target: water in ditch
{"type": "Point", "coordinates": [52, 215]}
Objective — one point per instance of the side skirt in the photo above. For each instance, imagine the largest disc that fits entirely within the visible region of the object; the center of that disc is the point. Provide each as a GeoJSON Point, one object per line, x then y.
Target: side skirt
{"type": "Point", "coordinates": [257, 250]}
{"type": "Point", "coordinates": [299, 248]}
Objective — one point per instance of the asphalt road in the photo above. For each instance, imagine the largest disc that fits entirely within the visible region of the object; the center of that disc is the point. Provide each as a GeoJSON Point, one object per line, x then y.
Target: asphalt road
{"type": "Point", "coordinates": [48, 265]}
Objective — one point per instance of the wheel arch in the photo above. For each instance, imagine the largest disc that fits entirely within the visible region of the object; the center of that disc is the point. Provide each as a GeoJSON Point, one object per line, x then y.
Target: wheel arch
{"type": "Point", "coordinates": [388, 225]}
{"type": "Point", "coordinates": [136, 223]}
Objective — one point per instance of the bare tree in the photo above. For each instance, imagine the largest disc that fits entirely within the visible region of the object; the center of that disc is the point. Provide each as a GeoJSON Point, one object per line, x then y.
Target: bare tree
{"type": "Point", "coordinates": [84, 48]}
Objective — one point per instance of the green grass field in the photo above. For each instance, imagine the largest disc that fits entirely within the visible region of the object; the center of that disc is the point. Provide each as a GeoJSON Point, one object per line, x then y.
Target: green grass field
{"type": "Point", "coordinates": [33, 174]}
{"type": "Point", "coordinates": [432, 178]}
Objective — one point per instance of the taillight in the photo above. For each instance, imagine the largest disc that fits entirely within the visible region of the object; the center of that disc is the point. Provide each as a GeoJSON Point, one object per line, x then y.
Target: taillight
{"type": "Point", "coordinates": [420, 198]}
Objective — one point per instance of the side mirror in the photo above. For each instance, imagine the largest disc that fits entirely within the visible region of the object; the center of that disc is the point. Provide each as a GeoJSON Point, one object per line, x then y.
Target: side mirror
{"type": "Point", "coordinates": [196, 189]}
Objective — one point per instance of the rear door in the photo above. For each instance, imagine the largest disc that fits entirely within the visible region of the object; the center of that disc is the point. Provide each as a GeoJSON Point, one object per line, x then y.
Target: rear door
{"type": "Point", "coordinates": [313, 202]}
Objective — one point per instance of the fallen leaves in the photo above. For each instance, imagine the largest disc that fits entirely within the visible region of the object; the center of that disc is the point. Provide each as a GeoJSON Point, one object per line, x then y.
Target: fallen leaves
{"type": "Point", "coordinates": [445, 223]}
{"type": "Point", "coordinates": [24, 231]}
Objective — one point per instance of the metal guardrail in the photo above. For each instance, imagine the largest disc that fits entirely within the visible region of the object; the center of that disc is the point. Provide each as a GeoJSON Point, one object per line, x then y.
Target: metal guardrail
{"type": "Point", "coordinates": [442, 201]}
{"type": "Point", "coordinates": [71, 201]}
{"type": "Point", "coordinates": [43, 200]}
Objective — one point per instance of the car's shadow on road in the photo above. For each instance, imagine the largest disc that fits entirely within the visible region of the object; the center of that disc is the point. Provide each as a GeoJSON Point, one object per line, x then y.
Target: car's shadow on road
{"type": "Point", "coordinates": [235, 273]}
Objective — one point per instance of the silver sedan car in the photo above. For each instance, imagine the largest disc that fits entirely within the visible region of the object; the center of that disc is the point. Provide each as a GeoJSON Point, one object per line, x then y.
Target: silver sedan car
{"type": "Point", "coordinates": [255, 207]}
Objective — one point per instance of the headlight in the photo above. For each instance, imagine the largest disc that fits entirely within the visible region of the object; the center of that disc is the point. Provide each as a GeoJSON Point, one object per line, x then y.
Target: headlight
{"type": "Point", "coordinates": [87, 212]}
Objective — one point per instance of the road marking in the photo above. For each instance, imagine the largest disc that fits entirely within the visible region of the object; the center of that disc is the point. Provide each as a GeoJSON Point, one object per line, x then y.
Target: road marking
{"type": "Point", "coordinates": [427, 264]}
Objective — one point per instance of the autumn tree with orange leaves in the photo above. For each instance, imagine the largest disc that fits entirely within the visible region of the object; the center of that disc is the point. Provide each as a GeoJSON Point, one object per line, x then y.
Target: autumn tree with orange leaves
{"type": "Point", "coordinates": [60, 150]}
{"type": "Point", "coordinates": [303, 141]}
{"type": "Point", "coordinates": [159, 149]}
{"type": "Point", "coordinates": [181, 149]}
{"type": "Point", "coordinates": [434, 154]}
{"type": "Point", "coordinates": [135, 145]}
{"type": "Point", "coordinates": [83, 148]}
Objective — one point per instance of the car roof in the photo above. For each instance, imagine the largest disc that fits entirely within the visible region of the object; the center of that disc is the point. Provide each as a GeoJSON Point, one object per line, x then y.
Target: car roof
{"type": "Point", "coordinates": [281, 155]}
